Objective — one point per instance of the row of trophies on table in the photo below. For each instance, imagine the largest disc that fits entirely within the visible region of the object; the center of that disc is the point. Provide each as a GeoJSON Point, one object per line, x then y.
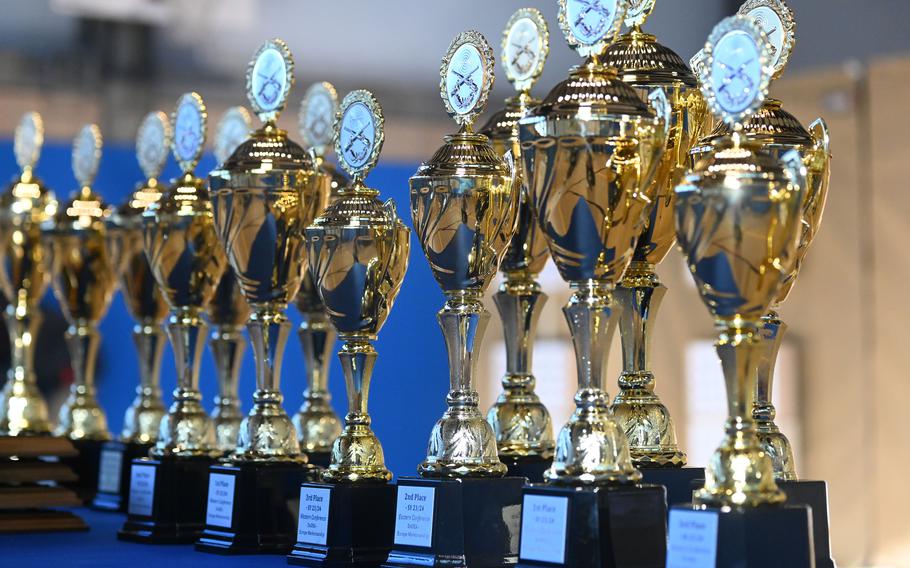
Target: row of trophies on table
{"type": "Point", "coordinates": [603, 176]}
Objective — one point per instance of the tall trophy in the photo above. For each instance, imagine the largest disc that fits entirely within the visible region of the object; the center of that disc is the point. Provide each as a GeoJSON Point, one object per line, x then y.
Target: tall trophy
{"type": "Point", "coordinates": [147, 306]}
{"type": "Point", "coordinates": [358, 255]}
{"type": "Point", "coordinates": [265, 194]}
{"type": "Point", "coordinates": [778, 132]}
{"type": "Point", "coordinates": [521, 423]}
{"type": "Point", "coordinates": [24, 276]}
{"type": "Point", "coordinates": [316, 422]}
{"type": "Point", "coordinates": [228, 310]}
{"type": "Point", "coordinates": [590, 150]}
{"type": "Point", "coordinates": [464, 205]}
{"type": "Point", "coordinates": [168, 489]}
{"type": "Point", "coordinates": [738, 218]}
{"type": "Point", "coordinates": [647, 66]}
{"type": "Point", "coordinates": [84, 277]}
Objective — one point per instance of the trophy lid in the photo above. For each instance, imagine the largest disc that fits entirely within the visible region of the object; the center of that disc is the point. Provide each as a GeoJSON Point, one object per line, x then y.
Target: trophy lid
{"type": "Point", "coordinates": [85, 210]}
{"type": "Point", "coordinates": [770, 124]}
{"type": "Point", "coordinates": [233, 128]}
{"type": "Point", "coordinates": [317, 116]}
{"type": "Point", "coordinates": [776, 19]}
{"type": "Point", "coordinates": [27, 195]}
{"type": "Point", "coordinates": [153, 141]}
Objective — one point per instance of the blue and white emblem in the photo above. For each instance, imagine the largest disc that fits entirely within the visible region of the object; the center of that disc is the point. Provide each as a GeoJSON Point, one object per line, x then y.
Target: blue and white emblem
{"type": "Point", "coordinates": [269, 79]}
{"type": "Point", "coordinates": [590, 20]}
{"type": "Point", "coordinates": [357, 134]}
{"type": "Point", "coordinates": [464, 78]}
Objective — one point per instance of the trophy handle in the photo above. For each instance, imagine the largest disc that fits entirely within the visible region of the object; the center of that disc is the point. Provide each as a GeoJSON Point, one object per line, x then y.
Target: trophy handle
{"type": "Point", "coordinates": [819, 166]}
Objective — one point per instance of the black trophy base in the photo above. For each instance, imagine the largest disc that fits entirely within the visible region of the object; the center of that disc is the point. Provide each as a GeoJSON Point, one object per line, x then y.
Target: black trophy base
{"type": "Point", "coordinates": [457, 522]}
{"type": "Point", "coordinates": [611, 527]}
{"type": "Point", "coordinates": [358, 528]}
{"type": "Point", "coordinates": [531, 467]}
{"type": "Point", "coordinates": [321, 459]}
{"type": "Point", "coordinates": [85, 466]}
{"type": "Point", "coordinates": [760, 537]}
{"type": "Point", "coordinates": [815, 495]}
{"type": "Point", "coordinates": [679, 481]}
{"type": "Point", "coordinates": [166, 500]}
{"type": "Point", "coordinates": [114, 467]}
{"type": "Point", "coordinates": [252, 507]}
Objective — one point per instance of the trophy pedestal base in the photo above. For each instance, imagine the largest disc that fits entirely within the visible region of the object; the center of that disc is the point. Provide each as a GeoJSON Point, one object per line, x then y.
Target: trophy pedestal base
{"type": "Point", "coordinates": [321, 459]}
{"type": "Point", "coordinates": [252, 507]}
{"type": "Point", "coordinates": [815, 495]}
{"type": "Point", "coordinates": [759, 537]}
{"type": "Point", "coordinates": [344, 525]}
{"type": "Point", "coordinates": [166, 502]}
{"type": "Point", "coordinates": [679, 481]}
{"type": "Point", "coordinates": [114, 474]}
{"type": "Point", "coordinates": [611, 527]}
{"type": "Point", "coordinates": [86, 467]}
{"type": "Point", "coordinates": [531, 467]}
{"type": "Point", "coordinates": [457, 522]}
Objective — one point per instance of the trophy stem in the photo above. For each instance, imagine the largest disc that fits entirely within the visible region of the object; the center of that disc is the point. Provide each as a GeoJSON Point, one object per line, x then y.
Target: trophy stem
{"type": "Point", "coordinates": [739, 473]}
{"type": "Point", "coordinates": [187, 429]}
{"type": "Point", "coordinates": [267, 433]}
{"type": "Point", "coordinates": [462, 443]}
{"type": "Point", "coordinates": [23, 410]}
{"type": "Point", "coordinates": [143, 416]}
{"type": "Point", "coordinates": [357, 454]}
{"type": "Point", "coordinates": [519, 420]}
{"type": "Point", "coordinates": [227, 344]}
{"type": "Point", "coordinates": [775, 443]}
{"type": "Point", "coordinates": [316, 421]}
{"type": "Point", "coordinates": [81, 418]}
{"type": "Point", "coordinates": [591, 448]}
{"type": "Point", "coordinates": [640, 412]}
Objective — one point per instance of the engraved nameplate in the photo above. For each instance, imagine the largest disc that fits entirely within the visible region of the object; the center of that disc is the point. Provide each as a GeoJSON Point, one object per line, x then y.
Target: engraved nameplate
{"type": "Point", "coordinates": [414, 516]}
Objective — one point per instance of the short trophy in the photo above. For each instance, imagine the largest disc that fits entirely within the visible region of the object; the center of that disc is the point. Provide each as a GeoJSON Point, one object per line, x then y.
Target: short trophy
{"type": "Point", "coordinates": [778, 132]}
{"type": "Point", "coordinates": [24, 276]}
{"type": "Point", "coordinates": [84, 278]}
{"type": "Point", "coordinates": [521, 423]}
{"type": "Point", "coordinates": [738, 220]}
{"type": "Point", "coordinates": [646, 65]}
{"type": "Point", "coordinates": [147, 306]}
{"type": "Point", "coordinates": [168, 489]}
{"type": "Point", "coordinates": [358, 255]}
{"type": "Point", "coordinates": [462, 511]}
{"type": "Point", "coordinates": [591, 149]}
{"type": "Point", "coordinates": [228, 310]}
{"type": "Point", "coordinates": [316, 422]}
{"type": "Point", "coordinates": [264, 196]}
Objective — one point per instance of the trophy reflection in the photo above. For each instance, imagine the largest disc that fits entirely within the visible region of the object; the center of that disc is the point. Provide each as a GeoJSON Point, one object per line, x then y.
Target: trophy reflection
{"type": "Point", "coordinates": [84, 278]}
{"type": "Point", "coordinates": [358, 255]}
{"type": "Point", "coordinates": [520, 422]}
{"type": "Point", "coordinates": [24, 275]}
{"type": "Point", "coordinates": [316, 421]}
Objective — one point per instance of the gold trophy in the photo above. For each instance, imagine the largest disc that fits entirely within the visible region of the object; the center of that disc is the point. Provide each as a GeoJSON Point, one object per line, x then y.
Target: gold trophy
{"type": "Point", "coordinates": [738, 219]}
{"type": "Point", "coordinates": [264, 196]}
{"type": "Point", "coordinates": [84, 278]}
{"type": "Point", "coordinates": [228, 310]}
{"type": "Point", "coordinates": [167, 492]}
{"type": "Point", "coordinates": [646, 65]}
{"type": "Point", "coordinates": [464, 205]}
{"type": "Point", "coordinates": [24, 276]}
{"type": "Point", "coordinates": [147, 306]}
{"type": "Point", "coordinates": [358, 255]}
{"type": "Point", "coordinates": [591, 149]}
{"type": "Point", "coordinates": [521, 423]}
{"type": "Point", "coordinates": [316, 422]}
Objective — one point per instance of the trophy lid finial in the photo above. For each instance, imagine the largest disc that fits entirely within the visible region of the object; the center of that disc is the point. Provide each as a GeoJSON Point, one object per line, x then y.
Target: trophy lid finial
{"type": "Point", "coordinates": [737, 70]}
{"type": "Point", "coordinates": [776, 19]}
{"type": "Point", "coordinates": [466, 76]}
{"type": "Point", "coordinates": [233, 128]}
{"type": "Point", "coordinates": [153, 141]}
{"type": "Point", "coordinates": [269, 77]}
{"type": "Point", "coordinates": [525, 45]}
{"type": "Point", "coordinates": [317, 116]}
{"type": "Point", "coordinates": [359, 133]}
{"type": "Point", "coordinates": [87, 154]}
{"type": "Point", "coordinates": [638, 12]}
{"type": "Point", "coordinates": [28, 140]}
{"type": "Point", "coordinates": [190, 122]}
{"type": "Point", "coordinates": [591, 25]}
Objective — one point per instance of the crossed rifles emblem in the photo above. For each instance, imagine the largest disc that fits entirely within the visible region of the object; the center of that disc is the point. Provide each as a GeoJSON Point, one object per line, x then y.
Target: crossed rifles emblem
{"type": "Point", "coordinates": [464, 80]}
{"type": "Point", "coordinates": [734, 77]}
{"type": "Point", "coordinates": [592, 7]}
{"type": "Point", "coordinates": [271, 87]}
{"type": "Point", "coordinates": [358, 152]}
{"type": "Point", "coordinates": [524, 49]}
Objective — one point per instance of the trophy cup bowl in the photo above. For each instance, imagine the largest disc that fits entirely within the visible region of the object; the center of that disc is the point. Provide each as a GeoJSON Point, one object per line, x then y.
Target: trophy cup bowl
{"type": "Point", "coordinates": [590, 166]}
{"type": "Point", "coordinates": [24, 276]}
